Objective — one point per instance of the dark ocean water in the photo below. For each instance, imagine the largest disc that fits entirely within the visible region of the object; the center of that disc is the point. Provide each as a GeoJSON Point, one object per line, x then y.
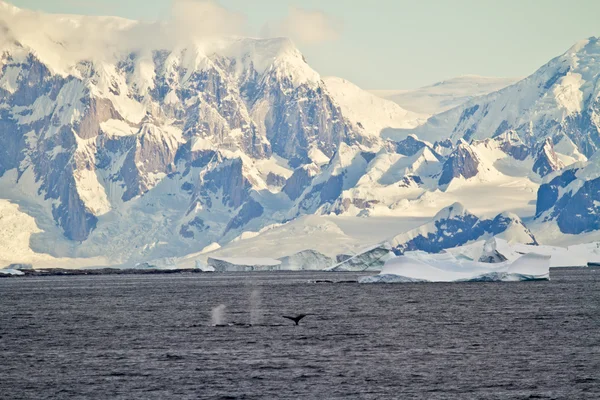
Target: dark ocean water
{"type": "Point", "coordinates": [150, 337]}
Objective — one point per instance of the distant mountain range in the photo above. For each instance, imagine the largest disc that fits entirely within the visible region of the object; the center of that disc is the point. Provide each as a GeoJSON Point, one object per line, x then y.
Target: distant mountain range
{"type": "Point", "coordinates": [445, 95]}
{"type": "Point", "coordinates": [171, 153]}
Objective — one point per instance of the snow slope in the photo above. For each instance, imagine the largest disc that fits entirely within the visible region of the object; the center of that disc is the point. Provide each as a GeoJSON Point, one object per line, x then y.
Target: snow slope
{"type": "Point", "coordinates": [445, 95]}
{"type": "Point", "coordinates": [372, 113]}
{"type": "Point", "coordinates": [329, 235]}
{"type": "Point", "coordinates": [17, 229]}
{"type": "Point", "coordinates": [560, 100]}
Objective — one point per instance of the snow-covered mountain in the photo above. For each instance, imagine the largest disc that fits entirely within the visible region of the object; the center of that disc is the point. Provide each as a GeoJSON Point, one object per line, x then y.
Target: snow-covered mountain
{"type": "Point", "coordinates": [445, 95]}
{"type": "Point", "coordinates": [117, 151]}
{"type": "Point", "coordinates": [368, 111]}
{"type": "Point", "coordinates": [560, 101]}
{"type": "Point", "coordinates": [568, 202]}
{"type": "Point", "coordinates": [455, 226]}
{"type": "Point", "coordinates": [412, 177]}
{"type": "Point", "coordinates": [189, 141]}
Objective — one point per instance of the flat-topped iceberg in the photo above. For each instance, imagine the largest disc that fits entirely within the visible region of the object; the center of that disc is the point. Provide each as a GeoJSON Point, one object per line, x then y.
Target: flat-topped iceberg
{"type": "Point", "coordinates": [423, 267]}
{"type": "Point", "coordinates": [11, 271]}
{"type": "Point", "coordinates": [243, 264]}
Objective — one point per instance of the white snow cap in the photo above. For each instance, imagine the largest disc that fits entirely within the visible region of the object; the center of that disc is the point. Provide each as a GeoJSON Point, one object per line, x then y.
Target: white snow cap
{"type": "Point", "coordinates": [62, 41]}
{"type": "Point", "coordinates": [453, 211]}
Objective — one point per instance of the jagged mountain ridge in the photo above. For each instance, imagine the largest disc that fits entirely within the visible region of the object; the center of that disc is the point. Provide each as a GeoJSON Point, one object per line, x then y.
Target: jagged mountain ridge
{"type": "Point", "coordinates": [411, 173]}
{"type": "Point", "coordinates": [195, 139]}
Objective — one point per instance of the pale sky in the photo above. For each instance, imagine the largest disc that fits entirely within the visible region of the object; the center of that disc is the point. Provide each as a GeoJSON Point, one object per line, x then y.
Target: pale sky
{"type": "Point", "coordinates": [393, 44]}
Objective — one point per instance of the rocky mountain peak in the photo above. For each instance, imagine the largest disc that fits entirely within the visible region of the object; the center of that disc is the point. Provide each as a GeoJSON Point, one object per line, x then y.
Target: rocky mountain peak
{"type": "Point", "coordinates": [300, 180]}
{"type": "Point", "coordinates": [510, 142]}
{"type": "Point", "coordinates": [510, 227]}
{"type": "Point", "coordinates": [547, 160]}
{"type": "Point", "coordinates": [462, 162]}
{"type": "Point", "coordinates": [409, 146]}
{"type": "Point", "coordinates": [456, 210]}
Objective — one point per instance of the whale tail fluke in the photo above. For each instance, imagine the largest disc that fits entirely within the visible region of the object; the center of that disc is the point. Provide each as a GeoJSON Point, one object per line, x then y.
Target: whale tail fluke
{"type": "Point", "coordinates": [296, 319]}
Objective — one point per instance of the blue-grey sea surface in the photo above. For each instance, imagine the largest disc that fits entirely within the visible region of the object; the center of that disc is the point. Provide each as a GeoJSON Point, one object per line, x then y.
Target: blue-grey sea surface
{"type": "Point", "coordinates": [152, 337]}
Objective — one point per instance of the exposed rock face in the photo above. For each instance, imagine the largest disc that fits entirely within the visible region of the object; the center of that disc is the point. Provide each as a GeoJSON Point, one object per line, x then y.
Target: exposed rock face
{"type": "Point", "coordinates": [110, 132]}
{"type": "Point", "coordinates": [409, 146]}
{"type": "Point", "coordinates": [410, 181]}
{"type": "Point", "coordinates": [572, 199]}
{"type": "Point", "coordinates": [96, 112]}
{"type": "Point", "coordinates": [443, 147]}
{"type": "Point", "coordinates": [343, 171]}
{"type": "Point", "coordinates": [193, 228]}
{"type": "Point", "coordinates": [463, 162]}
{"type": "Point", "coordinates": [30, 137]}
{"type": "Point", "coordinates": [250, 210]}
{"type": "Point", "coordinates": [455, 226]}
{"type": "Point", "coordinates": [510, 227]}
{"type": "Point", "coordinates": [577, 212]}
{"type": "Point", "coordinates": [451, 227]}
{"type": "Point", "coordinates": [152, 153]}
{"type": "Point", "coordinates": [511, 144]}
{"type": "Point", "coordinates": [293, 124]}
{"type": "Point", "coordinates": [342, 205]}
{"type": "Point", "coordinates": [275, 180]}
{"type": "Point", "coordinates": [547, 160]}
{"type": "Point", "coordinates": [229, 180]}
{"type": "Point", "coordinates": [548, 193]}
{"type": "Point", "coordinates": [300, 180]}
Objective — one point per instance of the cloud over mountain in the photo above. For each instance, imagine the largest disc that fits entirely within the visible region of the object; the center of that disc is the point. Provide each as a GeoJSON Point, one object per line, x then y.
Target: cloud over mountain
{"type": "Point", "coordinates": [305, 27]}
{"type": "Point", "coordinates": [202, 18]}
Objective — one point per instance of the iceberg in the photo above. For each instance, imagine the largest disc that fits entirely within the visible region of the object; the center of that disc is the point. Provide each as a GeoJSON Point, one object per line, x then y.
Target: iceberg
{"type": "Point", "coordinates": [11, 271]}
{"type": "Point", "coordinates": [305, 260]}
{"type": "Point", "coordinates": [423, 267]}
{"type": "Point", "coordinates": [244, 264]}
